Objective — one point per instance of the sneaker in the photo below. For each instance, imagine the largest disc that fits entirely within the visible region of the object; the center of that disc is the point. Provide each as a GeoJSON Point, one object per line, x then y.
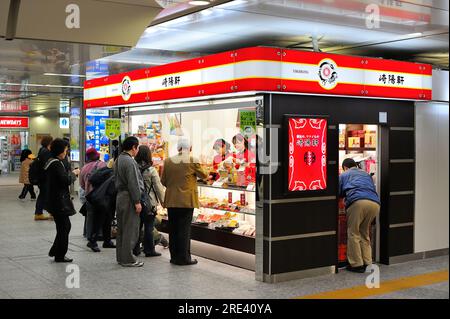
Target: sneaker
{"type": "Point", "coordinates": [41, 217]}
{"type": "Point", "coordinates": [33, 199]}
{"type": "Point", "coordinates": [50, 217]}
{"type": "Point", "coordinates": [93, 247]}
{"type": "Point", "coordinates": [136, 264]}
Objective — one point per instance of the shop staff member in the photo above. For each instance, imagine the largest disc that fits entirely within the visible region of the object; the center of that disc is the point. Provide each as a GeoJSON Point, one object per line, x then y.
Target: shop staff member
{"type": "Point", "coordinates": [130, 186]}
{"type": "Point", "coordinates": [362, 205]}
{"type": "Point", "coordinates": [242, 154]}
{"type": "Point", "coordinates": [222, 149]}
{"type": "Point", "coordinates": [180, 178]}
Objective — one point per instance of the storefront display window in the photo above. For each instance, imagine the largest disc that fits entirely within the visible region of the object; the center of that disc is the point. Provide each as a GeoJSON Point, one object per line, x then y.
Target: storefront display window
{"type": "Point", "coordinates": [227, 198]}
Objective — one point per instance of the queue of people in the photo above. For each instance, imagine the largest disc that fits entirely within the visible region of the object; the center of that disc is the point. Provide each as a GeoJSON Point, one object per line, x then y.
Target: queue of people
{"type": "Point", "coordinates": [129, 187]}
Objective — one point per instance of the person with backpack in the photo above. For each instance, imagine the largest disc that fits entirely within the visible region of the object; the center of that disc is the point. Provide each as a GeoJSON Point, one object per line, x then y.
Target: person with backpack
{"type": "Point", "coordinates": [93, 164]}
{"type": "Point", "coordinates": [26, 158]}
{"type": "Point", "coordinates": [37, 177]}
{"type": "Point", "coordinates": [155, 191]}
{"type": "Point", "coordinates": [57, 199]}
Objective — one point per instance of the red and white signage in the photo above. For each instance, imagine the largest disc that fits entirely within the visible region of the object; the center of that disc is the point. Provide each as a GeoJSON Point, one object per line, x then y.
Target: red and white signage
{"type": "Point", "coordinates": [13, 107]}
{"type": "Point", "coordinates": [307, 169]}
{"type": "Point", "coordinates": [263, 69]}
{"type": "Point", "coordinates": [13, 122]}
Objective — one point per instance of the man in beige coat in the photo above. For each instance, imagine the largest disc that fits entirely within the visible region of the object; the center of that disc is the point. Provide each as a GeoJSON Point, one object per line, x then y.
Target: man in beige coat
{"type": "Point", "coordinates": [180, 176]}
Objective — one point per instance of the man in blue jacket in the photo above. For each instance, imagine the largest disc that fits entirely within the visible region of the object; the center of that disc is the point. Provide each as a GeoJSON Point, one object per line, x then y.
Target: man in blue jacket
{"type": "Point", "coordinates": [362, 205]}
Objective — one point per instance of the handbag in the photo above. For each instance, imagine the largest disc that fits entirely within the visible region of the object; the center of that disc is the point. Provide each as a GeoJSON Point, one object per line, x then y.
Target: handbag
{"type": "Point", "coordinates": [83, 210]}
{"type": "Point", "coordinates": [68, 209]}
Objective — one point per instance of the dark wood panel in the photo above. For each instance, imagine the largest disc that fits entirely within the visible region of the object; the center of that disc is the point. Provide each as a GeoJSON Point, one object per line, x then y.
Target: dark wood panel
{"type": "Point", "coordinates": [401, 177]}
{"type": "Point", "coordinates": [303, 217]}
{"type": "Point", "coordinates": [266, 216]}
{"type": "Point", "coordinates": [266, 254]}
{"type": "Point", "coordinates": [279, 185]}
{"type": "Point", "coordinates": [304, 253]}
{"type": "Point", "coordinates": [401, 144]}
{"type": "Point", "coordinates": [344, 110]}
{"type": "Point", "coordinates": [401, 209]}
{"type": "Point", "coordinates": [401, 241]}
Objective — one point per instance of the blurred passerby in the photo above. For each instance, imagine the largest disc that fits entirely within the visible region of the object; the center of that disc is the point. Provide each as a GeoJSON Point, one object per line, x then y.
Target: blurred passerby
{"type": "Point", "coordinates": [26, 158]}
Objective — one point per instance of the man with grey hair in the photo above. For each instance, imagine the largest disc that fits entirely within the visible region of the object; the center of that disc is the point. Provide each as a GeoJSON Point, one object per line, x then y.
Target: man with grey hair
{"type": "Point", "coordinates": [130, 186]}
{"type": "Point", "coordinates": [180, 178]}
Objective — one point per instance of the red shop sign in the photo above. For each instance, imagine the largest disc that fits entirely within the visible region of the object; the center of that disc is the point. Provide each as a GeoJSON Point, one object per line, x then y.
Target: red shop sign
{"type": "Point", "coordinates": [14, 122]}
{"type": "Point", "coordinates": [13, 107]}
{"type": "Point", "coordinates": [307, 169]}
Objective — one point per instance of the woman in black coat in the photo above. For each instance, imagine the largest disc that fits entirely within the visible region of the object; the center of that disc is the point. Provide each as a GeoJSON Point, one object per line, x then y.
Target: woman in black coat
{"type": "Point", "coordinates": [58, 201]}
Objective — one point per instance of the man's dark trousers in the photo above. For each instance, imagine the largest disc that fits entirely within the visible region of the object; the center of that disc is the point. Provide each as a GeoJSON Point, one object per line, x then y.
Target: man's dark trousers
{"type": "Point", "coordinates": [180, 234]}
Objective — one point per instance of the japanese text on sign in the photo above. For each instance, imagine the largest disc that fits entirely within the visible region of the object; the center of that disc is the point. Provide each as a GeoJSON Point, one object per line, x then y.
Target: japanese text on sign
{"type": "Point", "coordinates": [171, 81]}
{"type": "Point", "coordinates": [391, 79]}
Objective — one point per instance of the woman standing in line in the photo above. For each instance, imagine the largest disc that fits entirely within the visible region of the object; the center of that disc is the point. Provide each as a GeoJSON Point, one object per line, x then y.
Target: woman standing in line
{"type": "Point", "coordinates": [155, 190]}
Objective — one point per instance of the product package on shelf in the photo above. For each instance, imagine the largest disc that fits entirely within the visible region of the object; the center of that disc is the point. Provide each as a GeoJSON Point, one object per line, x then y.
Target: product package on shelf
{"type": "Point", "coordinates": [370, 139]}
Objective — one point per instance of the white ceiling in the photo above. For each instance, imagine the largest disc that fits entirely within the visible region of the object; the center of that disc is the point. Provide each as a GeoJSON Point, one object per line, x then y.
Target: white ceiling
{"type": "Point", "coordinates": [411, 30]}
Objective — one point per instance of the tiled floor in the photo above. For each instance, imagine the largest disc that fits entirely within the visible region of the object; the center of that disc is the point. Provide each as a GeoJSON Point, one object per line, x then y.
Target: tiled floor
{"type": "Point", "coordinates": [27, 272]}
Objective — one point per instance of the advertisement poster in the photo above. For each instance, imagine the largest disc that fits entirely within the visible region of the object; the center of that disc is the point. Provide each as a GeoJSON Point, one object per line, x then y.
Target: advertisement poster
{"type": "Point", "coordinates": [247, 120]}
{"type": "Point", "coordinates": [307, 169]}
{"type": "Point", "coordinates": [112, 128]}
{"type": "Point", "coordinates": [75, 133]}
{"type": "Point", "coordinates": [95, 129]}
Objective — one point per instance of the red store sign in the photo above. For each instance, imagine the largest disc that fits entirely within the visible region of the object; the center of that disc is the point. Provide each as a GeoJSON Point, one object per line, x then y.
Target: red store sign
{"type": "Point", "coordinates": [263, 69]}
{"type": "Point", "coordinates": [13, 122]}
{"type": "Point", "coordinates": [307, 169]}
{"type": "Point", "coordinates": [13, 107]}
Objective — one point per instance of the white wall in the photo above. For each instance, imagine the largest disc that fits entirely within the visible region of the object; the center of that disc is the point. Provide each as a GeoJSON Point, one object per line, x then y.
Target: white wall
{"type": "Point", "coordinates": [431, 229]}
{"type": "Point", "coordinates": [44, 125]}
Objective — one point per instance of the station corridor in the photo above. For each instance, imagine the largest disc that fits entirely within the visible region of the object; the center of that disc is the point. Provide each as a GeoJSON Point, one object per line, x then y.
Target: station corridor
{"type": "Point", "coordinates": [27, 272]}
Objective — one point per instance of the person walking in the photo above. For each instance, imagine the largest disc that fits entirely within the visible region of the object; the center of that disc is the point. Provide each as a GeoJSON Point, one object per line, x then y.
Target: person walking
{"type": "Point", "coordinates": [58, 201]}
{"type": "Point", "coordinates": [155, 191]}
{"type": "Point", "coordinates": [129, 185]}
{"type": "Point", "coordinates": [363, 206]}
{"type": "Point", "coordinates": [43, 156]}
{"type": "Point", "coordinates": [180, 178]}
{"type": "Point", "coordinates": [26, 158]}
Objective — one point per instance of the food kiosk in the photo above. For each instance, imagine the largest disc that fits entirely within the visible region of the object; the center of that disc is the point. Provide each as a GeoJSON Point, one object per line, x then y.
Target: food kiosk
{"type": "Point", "coordinates": [300, 113]}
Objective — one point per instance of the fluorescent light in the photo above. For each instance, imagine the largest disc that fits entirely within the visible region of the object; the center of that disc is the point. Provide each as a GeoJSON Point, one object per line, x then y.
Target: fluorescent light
{"type": "Point", "coordinates": [75, 75]}
{"type": "Point", "coordinates": [199, 2]}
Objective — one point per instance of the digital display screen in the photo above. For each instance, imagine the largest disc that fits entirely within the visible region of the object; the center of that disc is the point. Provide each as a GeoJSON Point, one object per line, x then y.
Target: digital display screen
{"type": "Point", "coordinates": [307, 154]}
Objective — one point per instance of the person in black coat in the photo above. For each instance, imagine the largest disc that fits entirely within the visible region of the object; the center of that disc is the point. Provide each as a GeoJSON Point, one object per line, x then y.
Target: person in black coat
{"type": "Point", "coordinates": [43, 156]}
{"type": "Point", "coordinates": [58, 201]}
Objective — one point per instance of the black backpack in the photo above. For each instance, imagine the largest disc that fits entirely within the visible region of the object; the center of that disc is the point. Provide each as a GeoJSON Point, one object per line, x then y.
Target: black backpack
{"type": "Point", "coordinates": [36, 172]}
